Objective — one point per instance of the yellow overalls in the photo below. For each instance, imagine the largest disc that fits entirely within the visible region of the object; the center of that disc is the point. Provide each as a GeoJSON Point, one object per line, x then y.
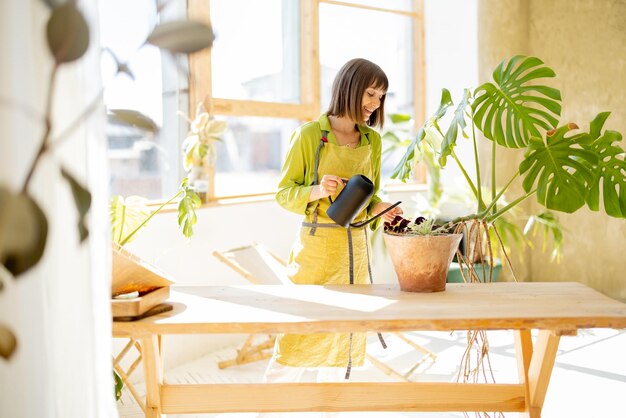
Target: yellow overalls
{"type": "Point", "coordinates": [321, 256]}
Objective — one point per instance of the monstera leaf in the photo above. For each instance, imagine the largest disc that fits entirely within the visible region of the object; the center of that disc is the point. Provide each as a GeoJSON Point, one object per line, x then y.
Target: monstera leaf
{"type": "Point", "coordinates": [610, 173]}
{"type": "Point", "coordinates": [560, 169]}
{"type": "Point", "coordinates": [126, 216]}
{"type": "Point", "coordinates": [516, 108]}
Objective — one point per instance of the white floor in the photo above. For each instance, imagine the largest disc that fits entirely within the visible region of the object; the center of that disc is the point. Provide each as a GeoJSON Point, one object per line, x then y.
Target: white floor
{"type": "Point", "coordinates": [588, 380]}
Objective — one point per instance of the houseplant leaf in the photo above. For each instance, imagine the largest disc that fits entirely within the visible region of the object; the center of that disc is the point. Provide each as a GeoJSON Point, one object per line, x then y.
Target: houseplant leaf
{"type": "Point", "coordinates": [128, 117]}
{"type": "Point", "coordinates": [187, 209]}
{"type": "Point", "coordinates": [559, 168]}
{"type": "Point", "coordinates": [549, 223]}
{"type": "Point", "coordinates": [67, 33]}
{"type": "Point", "coordinates": [609, 175]}
{"type": "Point", "coordinates": [8, 342]}
{"type": "Point", "coordinates": [182, 36]}
{"type": "Point", "coordinates": [23, 232]}
{"type": "Point", "coordinates": [403, 169]}
{"type": "Point", "coordinates": [449, 140]}
{"type": "Point", "coordinates": [126, 216]}
{"type": "Point", "coordinates": [516, 107]}
{"type": "Point", "coordinates": [82, 199]}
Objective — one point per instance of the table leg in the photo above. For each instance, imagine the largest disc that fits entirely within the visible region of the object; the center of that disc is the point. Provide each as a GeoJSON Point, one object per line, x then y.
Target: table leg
{"type": "Point", "coordinates": [153, 368]}
{"type": "Point", "coordinates": [524, 353]}
{"type": "Point", "coordinates": [535, 367]}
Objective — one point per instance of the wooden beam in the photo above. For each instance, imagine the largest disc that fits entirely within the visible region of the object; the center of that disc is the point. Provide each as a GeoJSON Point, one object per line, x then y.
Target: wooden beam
{"type": "Point", "coordinates": [231, 107]}
{"type": "Point", "coordinates": [153, 375]}
{"type": "Point", "coordinates": [371, 396]}
{"type": "Point", "coordinates": [309, 59]}
{"type": "Point", "coordinates": [524, 353]}
{"type": "Point", "coordinates": [200, 81]}
{"type": "Point", "coordinates": [540, 369]}
{"type": "Point", "coordinates": [373, 8]}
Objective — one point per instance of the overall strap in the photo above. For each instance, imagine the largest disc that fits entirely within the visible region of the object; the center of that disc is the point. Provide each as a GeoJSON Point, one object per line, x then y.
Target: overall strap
{"type": "Point", "coordinates": [323, 140]}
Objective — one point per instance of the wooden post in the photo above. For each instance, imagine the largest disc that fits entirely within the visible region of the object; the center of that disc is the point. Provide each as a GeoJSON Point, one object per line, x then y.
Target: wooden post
{"type": "Point", "coordinates": [154, 375]}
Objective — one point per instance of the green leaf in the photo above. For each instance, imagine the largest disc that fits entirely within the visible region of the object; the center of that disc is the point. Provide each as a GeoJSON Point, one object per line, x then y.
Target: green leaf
{"type": "Point", "coordinates": [8, 342]}
{"type": "Point", "coordinates": [82, 199]}
{"type": "Point", "coordinates": [126, 216]}
{"type": "Point", "coordinates": [23, 232]}
{"type": "Point", "coordinates": [514, 109]}
{"type": "Point", "coordinates": [67, 33]}
{"type": "Point", "coordinates": [128, 117]}
{"type": "Point", "coordinates": [182, 36]}
{"type": "Point", "coordinates": [187, 209]}
{"type": "Point", "coordinates": [403, 169]}
{"type": "Point", "coordinates": [559, 169]}
{"type": "Point", "coordinates": [399, 118]}
{"type": "Point", "coordinates": [609, 174]}
{"type": "Point", "coordinates": [449, 141]}
{"type": "Point", "coordinates": [119, 385]}
{"type": "Point", "coordinates": [52, 3]}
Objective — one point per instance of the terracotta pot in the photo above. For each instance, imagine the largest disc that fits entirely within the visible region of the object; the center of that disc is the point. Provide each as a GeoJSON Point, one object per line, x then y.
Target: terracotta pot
{"type": "Point", "coordinates": [421, 262]}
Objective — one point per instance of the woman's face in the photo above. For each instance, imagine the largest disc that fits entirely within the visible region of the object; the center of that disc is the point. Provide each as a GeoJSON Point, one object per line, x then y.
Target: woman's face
{"type": "Point", "coordinates": [371, 101]}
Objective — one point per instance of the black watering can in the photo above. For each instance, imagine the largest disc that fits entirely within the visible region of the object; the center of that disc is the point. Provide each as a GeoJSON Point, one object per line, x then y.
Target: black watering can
{"type": "Point", "coordinates": [352, 200]}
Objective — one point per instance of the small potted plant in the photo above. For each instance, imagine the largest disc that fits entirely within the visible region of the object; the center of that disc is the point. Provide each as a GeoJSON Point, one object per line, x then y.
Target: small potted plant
{"type": "Point", "coordinates": [421, 252]}
{"type": "Point", "coordinates": [199, 150]}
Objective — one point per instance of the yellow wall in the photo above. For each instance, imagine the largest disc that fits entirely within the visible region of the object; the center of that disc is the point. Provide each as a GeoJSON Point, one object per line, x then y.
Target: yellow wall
{"type": "Point", "coordinates": [585, 43]}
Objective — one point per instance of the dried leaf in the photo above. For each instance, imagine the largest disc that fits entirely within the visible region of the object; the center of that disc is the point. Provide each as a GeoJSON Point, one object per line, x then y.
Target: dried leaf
{"type": "Point", "coordinates": [82, 199]}
{"type": "Point", "coordinates": [23, 232]}
{"type": "Point", "coordinates": [133, 118]}
{"type": "Point", "coordinates": [8, 342]}
{"type": "Point", "coordinates": [182, 36]}
{"type": "Point", "coordinates": [67, 33]}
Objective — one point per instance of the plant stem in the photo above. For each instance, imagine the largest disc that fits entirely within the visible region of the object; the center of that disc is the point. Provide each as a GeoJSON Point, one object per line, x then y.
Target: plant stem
{"type": "Point", "coordinates": [467, 178]}
{"type": "Point", "coordinates": [492, 205]}
{"type": "Point", "coordinates": [505, 209]}
{"type": "Point", "coordinates": [129, 236]}
{"type": "Point", "coordinates": [48, 128]}
{"type": "Point", "coordinates": [481, 205]}
{"type": "Point", "coordinates": [493, 176]}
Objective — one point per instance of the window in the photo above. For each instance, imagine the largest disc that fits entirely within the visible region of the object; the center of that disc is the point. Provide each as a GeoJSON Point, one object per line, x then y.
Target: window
{"type": "Point", "coordinates": [263, 81]}
{"type": "Point", "coordinates": [140, 164]}
{"type": "Point", "coordinates": [278, 75]}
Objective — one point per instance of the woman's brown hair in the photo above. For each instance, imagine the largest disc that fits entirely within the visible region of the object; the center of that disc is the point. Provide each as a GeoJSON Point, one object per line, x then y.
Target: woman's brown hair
{"type": "Point", "coordinates": [349, 86]}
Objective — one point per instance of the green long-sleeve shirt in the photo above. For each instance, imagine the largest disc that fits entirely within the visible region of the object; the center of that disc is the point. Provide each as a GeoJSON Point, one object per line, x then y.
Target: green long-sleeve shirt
{"type": "Point", "coordinates": [296, 179]}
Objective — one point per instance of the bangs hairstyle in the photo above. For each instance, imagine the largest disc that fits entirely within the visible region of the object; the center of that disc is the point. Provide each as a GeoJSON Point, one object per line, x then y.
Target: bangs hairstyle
{"type": "Point", "coordinates": [349, 87]}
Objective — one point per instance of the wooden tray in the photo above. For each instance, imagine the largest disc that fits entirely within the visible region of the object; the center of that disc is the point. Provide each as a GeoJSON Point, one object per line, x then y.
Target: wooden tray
{"type": "Point", "coordinates": [131, 273]}
{"type": "Point", "coordinates": [139, 305]}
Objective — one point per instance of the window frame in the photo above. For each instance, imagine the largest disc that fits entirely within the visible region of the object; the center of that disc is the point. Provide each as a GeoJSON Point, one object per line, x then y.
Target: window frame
{"type": "Point", "coordinates": [200, 87]}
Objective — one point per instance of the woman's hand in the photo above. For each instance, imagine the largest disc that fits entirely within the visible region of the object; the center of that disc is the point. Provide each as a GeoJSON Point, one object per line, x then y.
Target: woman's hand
{"type": "Point", "coordinates": [387, 217]}
{"type": "Point", "coordinates": [327, 187]}
{"type": "Point", "coordinates": [329, 184]}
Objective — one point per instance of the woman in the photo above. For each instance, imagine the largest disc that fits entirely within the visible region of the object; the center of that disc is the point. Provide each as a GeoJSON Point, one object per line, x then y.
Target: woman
{"type": "Point", "coordinates": [324, 153]}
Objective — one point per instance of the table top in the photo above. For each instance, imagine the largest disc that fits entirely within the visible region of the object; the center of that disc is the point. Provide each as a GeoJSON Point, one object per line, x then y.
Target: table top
{"type": "Point", "coordinates": [309, 308]}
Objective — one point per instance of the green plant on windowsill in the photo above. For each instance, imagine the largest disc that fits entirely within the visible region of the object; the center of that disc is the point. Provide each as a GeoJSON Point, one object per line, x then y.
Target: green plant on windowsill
{"type": "Point", "coordinates": [129, 215]}
{"type": "Point", "coordinates": [563, 167]}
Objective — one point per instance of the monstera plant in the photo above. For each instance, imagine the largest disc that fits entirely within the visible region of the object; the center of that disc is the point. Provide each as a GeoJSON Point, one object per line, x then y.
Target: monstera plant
{"type": "Point", "coordinates": [23, 222]}
{"type": "Point", "coordinates": [565, 166]}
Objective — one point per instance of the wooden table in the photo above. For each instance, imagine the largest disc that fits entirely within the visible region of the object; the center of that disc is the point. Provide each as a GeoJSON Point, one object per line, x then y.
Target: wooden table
{"type": "Point", "coordinates": [554, 309]}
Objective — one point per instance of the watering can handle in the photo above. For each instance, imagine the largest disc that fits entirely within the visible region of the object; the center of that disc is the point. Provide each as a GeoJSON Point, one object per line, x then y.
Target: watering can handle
{"type": "Point", "coordinates": [363, 223]}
